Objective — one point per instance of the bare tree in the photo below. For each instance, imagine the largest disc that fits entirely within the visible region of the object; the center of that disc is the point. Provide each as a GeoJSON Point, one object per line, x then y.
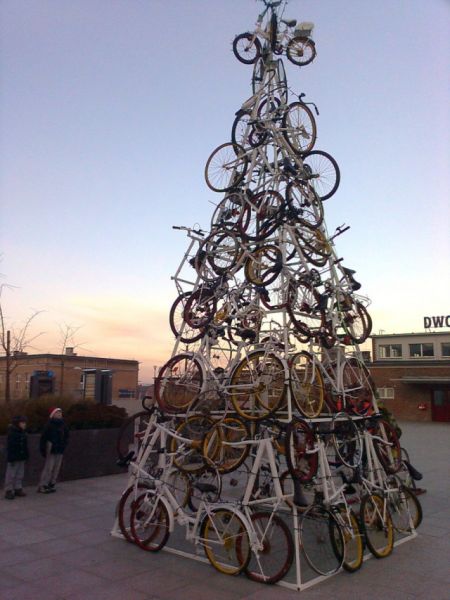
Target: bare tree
{"type": "Point", "coordinates": [67, 337]}
{"type": "Point", "coordinates": [14, 341]}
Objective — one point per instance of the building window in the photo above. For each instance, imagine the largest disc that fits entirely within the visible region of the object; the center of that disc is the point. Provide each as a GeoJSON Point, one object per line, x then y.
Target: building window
{"type": "Point", "coordinates": [127, 393]}
{"type": "Point", "coordinates": [18, 381]}
{"type": "Point", "coordinates": [386, 393]}
{"type": "Point", "coordinates": [419, 350]}
{"type": "Point", "coordinates": [445, 349]}
{"type": "Point", "coordinates": [390, 351]}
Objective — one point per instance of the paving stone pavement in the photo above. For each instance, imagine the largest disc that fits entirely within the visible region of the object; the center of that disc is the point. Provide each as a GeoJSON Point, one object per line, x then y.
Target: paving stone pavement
{"type": "Point", "coordinates": [59, 547]}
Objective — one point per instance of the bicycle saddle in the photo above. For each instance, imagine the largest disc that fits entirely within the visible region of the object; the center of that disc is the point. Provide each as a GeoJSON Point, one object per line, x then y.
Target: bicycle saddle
{"type": "Point", "coordinates": [291, 23]}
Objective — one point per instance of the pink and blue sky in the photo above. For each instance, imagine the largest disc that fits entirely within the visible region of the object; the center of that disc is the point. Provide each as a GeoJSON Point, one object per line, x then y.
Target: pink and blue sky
{"type": "Point", "coordinates": [109, 110]}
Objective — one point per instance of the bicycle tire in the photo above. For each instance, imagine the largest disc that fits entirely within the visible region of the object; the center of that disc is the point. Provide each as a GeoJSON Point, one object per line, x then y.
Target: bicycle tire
{"type": "Point", "coordinates": [322, 172]}
{"type": "Point", "coordinates": [301, 51]}
{"type": "Point", "coordinates": [226, 458]}
{"type": "Point", "coordinates": [376, 524]}
{"type": "Point", "coordinates": [405, 509]}
{"type": "Point", "coordinates": [227, 214]}
{"type": "Point", "coordinates": [301, 455]}
{"type": "Point", "coordinates": [150, 523]}
{"type": "Point", "coordinates": [257, 385]}
{"type": "Point", "coordinates": [178, 383]}
{"type": "Point", "coordinates": [305, 206]}
{"type": "Point", "coordinates": [178, 324]}
{"type": "Point", "coordinates": [226, 167]}
{"type": "Point", "coordinates": [357, 390]}
{"type": "Point", "coordinates": [353, 539]}
{"type": "Point", "coordinates": [125, 507]}
{"type": "Point", "coordinates": [264, 265]}
{"type": "Point", "coordinates": [388, 447]}
{"type": "Point", "coordinates": [240, 52]}
{"type": "Point", "coordinates": [355, 320]}
{"type": "Point", "coordinates": [273, 561]}
{"type": "Point", "coordinates": [314, 246]}
{"type": "Point", "coordinates": [346, 440]}
{"type": "Point", "coordinates": [299, 128]}
{"type": "Point", "coordinates": [246, 132]}
{"type": "Point", "coordinates": [322, 540]}
{"type": "Point", "coordinates": [261, 216]}
{"type": "Point", "coordinates": [188, 457]}
{"type": "Point", "coordinates": [306, 383]}
{"type": "Point", "coordinates": [225, 540]}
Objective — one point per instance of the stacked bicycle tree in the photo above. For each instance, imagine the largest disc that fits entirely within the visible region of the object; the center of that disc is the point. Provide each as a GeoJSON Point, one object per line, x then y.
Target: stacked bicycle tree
{"type": "Point", "coordinates": [265, 409]}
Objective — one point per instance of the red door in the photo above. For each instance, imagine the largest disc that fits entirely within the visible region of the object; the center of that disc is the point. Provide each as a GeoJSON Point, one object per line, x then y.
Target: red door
{"type": "Point", "coordinates": [440, 405]}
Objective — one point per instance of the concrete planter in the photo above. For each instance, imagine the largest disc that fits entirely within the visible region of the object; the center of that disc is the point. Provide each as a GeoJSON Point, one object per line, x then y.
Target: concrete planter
{"type": "Point", "coordinates": [90, 453]}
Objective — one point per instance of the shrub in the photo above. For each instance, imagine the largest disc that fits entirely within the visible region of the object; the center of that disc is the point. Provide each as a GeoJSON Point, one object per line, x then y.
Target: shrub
{"type": "Point", "coordinates": [81, 415]}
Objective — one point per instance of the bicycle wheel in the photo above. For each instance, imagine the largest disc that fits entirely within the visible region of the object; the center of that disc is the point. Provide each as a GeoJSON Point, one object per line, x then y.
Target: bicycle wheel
{"type": "Point", "coordinates": [301, 453]}
{"type": "Point", "coordinates": [228, 212]}
{"type": "Point", "coordinates": [246, 131]}
{"type": "Point", "coordinates": [301, 51]}
{"type": "Point", "coordinates": [353, 541]}
{"type": "Point", "coordinates": [321, 540]}
{"type": "Point", "coordinates": [226, 167]}
{"type": "Point", "coordinates": [200, 307]}
{"type": "Point", "coordinates": [314, 246]}
{"type": "Point", "coordinates": [355, 320]}
{"type": "Point", "coordinates": [299, 128]}
{"type": "Point", "coordinates": [222, 250]}
{"type": "Point", "coordinates": [246, 48]}
{"type": "Point", "coordinates": [272, 560]}
{"type": "Point", "coordinates": [357, 389]}
{"type": "Point", "coordinates": [264, 265]}
{"type": "Point", "coordinates": [257, 385]}
{"type": "Point", "coordinates": [306, 384]}
{"type": "Point", "coordinates": [178, 383]}
{"type": "Point", "coordinates": [149, 522]}
{"type": "Point", "coordinates": [125, 506]}
{"type": "Point", "coordinates": [322, 172]}
{"type": "Point", "coordinates": [261, 215]}
{"type": "Point", "coordinates": [387, 445]}
{"type": "Point", "coordinates": [346, 440]}
{"type": "Point", "coordinates": [305, 206]}
{"type": "Point", "coordinates": [180, 328]}
{"type": "Point", "coordinates": [376, 524]}
{"type": "Point", "coordinates": [187, 453]}
{"type": "Point", "coordinates": [225, 540]}
{"type": "Point", "coordinates": [216, 450]}
{"type": "Point", "coordinates": [404, 507]}
{"type": "Point", "coordinates": [179, 485]}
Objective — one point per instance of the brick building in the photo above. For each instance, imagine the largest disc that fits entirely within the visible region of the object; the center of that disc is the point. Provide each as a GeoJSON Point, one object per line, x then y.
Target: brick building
{"type": "Point", "coordinates": [102, 380]}
{"type": "Point", "coordinates": [412, 374]}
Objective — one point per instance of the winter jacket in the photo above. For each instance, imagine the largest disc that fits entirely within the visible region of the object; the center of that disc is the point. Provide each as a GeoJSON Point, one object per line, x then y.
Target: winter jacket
{"type": "Point", "coordinates": [17, 444]}
{"type": "Point", "coordinates": [57, 433]}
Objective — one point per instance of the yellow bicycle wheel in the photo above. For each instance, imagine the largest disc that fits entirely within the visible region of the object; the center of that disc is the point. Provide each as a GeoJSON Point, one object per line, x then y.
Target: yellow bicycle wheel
{"type": "Point", "coordinates": [226, 541]}
{"type": "Point", "coordinates": [307, 385]}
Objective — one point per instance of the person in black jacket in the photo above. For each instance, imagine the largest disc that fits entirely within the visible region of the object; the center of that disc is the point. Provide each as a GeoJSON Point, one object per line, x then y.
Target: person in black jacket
{"type": "Point", "coordinates": [16, 455]}
{"type": "Point", "coordinates": [53, 442]}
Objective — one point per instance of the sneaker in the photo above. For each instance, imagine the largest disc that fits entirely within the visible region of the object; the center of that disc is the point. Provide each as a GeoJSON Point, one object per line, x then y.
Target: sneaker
{"type": "Point", "coordinates": [51, 487]}
{"type": "Point", "coordinates": [19, 493]}
{"type": "Point", "coordinates": [9, 495]}
{"type": "Point", "coordinates": [43, 489]}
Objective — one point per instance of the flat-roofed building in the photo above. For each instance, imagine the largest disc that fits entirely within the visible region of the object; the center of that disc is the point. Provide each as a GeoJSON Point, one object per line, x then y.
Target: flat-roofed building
{"type": "Point", "coordinates": [102, 380]}
{"type": "Point", "coordinates": [412, 374]}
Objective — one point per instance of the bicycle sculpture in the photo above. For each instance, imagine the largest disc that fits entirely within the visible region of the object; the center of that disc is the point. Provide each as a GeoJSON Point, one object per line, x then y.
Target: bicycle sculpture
{"type": "Point", "coordinates": [266, 413]}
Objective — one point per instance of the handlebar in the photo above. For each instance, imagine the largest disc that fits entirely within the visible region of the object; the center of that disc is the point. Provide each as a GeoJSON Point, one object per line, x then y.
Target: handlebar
{"type": "Point", "coordinates": [189, 230]}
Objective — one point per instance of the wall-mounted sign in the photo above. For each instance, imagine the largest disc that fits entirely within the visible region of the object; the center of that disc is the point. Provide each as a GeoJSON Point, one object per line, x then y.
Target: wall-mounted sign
{"type": "Point", "coordinates": [442, 321]}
